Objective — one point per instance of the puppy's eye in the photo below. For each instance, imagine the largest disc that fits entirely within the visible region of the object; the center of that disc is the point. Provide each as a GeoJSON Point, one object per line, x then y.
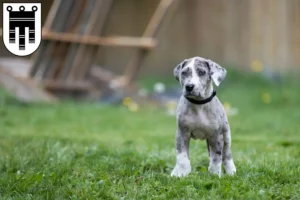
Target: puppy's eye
{"type": "Point", "coordinates": [201, 72]}
{"type": "Point", "coordinates": [184, 73]}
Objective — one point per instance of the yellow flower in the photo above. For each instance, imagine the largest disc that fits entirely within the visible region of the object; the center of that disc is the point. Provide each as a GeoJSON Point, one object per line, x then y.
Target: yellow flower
{"type": "Point", "coordinates": [133, 107]}
{"type": "Point", "coordinates": [127, 101]}
{"type": "Point", "coordinates": [226, 105]}
{"type": "Point", "coordinates": [266, 98]}
{"type": "Point", "coordinates": [257, 66]}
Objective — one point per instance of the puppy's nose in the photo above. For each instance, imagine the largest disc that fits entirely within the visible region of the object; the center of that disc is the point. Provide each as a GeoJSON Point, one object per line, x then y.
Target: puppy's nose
{"type": "Point", "coordinates": [189, 87]}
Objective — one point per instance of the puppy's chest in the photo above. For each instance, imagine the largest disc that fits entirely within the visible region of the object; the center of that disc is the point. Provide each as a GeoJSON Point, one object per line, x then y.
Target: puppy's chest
{"type": "Point", "coordinates": [202, 125]}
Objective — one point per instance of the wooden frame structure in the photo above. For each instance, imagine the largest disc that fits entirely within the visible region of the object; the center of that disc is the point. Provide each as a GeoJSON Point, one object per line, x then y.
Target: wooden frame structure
{"type": "Point", "coordinates": [71, 42]}
{"type": "Point", "coordinates": [71, 38]}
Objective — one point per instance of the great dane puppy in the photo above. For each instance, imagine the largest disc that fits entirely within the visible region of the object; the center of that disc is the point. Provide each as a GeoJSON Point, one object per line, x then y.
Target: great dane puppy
{"type": "Point", "coordinates": [200, 115]}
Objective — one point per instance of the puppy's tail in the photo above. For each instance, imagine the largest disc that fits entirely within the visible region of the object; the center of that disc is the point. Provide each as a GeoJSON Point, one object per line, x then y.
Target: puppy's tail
{"type": "Point", "coordinates": [207, 144]}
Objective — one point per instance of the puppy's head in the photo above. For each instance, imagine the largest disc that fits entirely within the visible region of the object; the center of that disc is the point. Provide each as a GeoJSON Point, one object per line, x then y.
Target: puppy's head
{"type": "Point", "coordinates": [196, 75]}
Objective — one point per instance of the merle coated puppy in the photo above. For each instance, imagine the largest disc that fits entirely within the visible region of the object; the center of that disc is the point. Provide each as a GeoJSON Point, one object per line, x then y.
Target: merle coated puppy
{"type": "Point", "coordinates": [200, 115]}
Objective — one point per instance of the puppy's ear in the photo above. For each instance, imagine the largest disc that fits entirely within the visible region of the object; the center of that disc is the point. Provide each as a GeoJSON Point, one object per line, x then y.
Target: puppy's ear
{"type": "Point", "coordinates": [178, 68]}
{"type": "Point", "coordinates": [217, 73]}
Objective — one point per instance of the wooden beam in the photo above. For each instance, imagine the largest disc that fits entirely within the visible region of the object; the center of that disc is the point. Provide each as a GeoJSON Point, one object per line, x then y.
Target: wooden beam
{"type": "Point", "coordinates": [24, 89]}
{"type": "Point", "coordinates": [102, 74]}
{"type": "Point", "coordinates": [40, 54]}
{"type": "Point", "coordinates": [144, 43]}
{"type": "Point", "coordinates": [88, 52]}
{"type": "Point", "coordinates": [62, 22]}
{"type": "Point", "coordinates": [157, 18]}
{"type": "Point", "coordinates": [150, 32]}
{"type": "Point", "coordinates": [64, 85]}
{"type": "Point", "coordinates": [56, 62]}
{"type": "Point", "coordinates": [52, 13]}
{"type": "Point", "coordinates": [81, 26]}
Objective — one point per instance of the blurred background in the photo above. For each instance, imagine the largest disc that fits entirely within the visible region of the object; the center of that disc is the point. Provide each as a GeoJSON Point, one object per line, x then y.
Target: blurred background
{"type": "Point", "coordinates": [101, 49]}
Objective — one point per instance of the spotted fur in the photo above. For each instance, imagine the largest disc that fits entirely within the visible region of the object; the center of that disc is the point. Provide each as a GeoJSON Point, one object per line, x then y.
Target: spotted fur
{"type": "Point", "coordinates": [205, 122]}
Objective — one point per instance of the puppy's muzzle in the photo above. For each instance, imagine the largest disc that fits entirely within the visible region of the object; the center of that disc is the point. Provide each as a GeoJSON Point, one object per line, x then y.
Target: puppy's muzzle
{"type": "Point", "coordinates": [189, 87]}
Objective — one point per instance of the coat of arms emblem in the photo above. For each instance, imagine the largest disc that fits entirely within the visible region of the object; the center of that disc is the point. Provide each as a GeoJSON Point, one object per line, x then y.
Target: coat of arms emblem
{"type": "Point", "coordinates": [22, 27]}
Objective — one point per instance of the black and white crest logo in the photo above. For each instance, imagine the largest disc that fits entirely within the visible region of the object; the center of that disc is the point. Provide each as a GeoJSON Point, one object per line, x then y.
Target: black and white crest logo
{"type": "Point", "coordinates": [22, 27]}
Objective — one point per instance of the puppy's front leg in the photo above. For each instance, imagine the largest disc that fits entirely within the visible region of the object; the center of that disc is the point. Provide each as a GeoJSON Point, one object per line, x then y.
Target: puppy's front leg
{"type": "Point", "coordinates": [215, 151]}
{"type": "Point", "coordinates": [183, 166]}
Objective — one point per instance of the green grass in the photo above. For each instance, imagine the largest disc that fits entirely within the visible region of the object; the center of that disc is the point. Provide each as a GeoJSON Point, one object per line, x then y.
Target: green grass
{"type": "Point", "coordinates": [89, 151]}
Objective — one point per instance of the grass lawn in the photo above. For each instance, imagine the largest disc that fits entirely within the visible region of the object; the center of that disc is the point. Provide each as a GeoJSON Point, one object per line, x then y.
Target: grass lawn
{"type": "Point", "coordinates": [91, 151]}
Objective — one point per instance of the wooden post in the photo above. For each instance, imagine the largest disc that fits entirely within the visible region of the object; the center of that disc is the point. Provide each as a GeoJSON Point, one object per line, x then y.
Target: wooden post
{"type": "Point", "coordinates": [151, 30]}
{"type": "Point", "coordinates": [38, 55]}
{"type": "Point", "coordinates": [90, 19]}
{"type": "Point", "coordinates": [61, 24]}
{"type": "Point", "coordinates": [56, 65]}
{"type": "Point", "coordinates": [86, 54]}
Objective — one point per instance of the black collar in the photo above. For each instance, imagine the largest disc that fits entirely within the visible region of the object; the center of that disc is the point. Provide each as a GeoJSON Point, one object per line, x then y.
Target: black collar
{"type": "Point", "coordinates": [204, 101]}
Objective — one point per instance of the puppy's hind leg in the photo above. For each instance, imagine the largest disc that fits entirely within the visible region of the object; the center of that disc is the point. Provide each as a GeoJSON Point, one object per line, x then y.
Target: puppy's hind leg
{"type": "Point", "coordinates": [215, 152]}
{"type": "Point", "coordinates": [227, 156]}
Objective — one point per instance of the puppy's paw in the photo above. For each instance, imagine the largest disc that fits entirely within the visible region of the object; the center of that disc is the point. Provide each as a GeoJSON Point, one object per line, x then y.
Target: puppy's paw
{"type": "Point", "coordinates": [229, 167]}
{"type": "Point", "coordinates": [182, 167]}
{"type": "Point", "coordinates": [181, 170]}
{"type": "Point", "coordinates": [215, 169]}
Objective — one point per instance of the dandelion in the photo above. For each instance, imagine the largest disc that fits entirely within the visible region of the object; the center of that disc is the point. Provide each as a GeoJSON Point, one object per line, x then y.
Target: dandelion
{"type": "Point", "coordinates": [257, 66]}
{"type": "Point", "coordinates": [226, 105]}
{"type": "Point", "coordinates": [130, 104]}
{"type": "Point", "coordinates": [127, 101]}
{"type": "Point", "coordinates": [133, 107]}
{"type": "Point", "coordinates": [230, 110]}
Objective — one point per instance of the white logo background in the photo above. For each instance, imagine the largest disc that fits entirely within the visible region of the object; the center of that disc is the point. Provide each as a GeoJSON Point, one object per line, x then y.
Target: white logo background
{"type": "Point", "coordinates": [29, 47]}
